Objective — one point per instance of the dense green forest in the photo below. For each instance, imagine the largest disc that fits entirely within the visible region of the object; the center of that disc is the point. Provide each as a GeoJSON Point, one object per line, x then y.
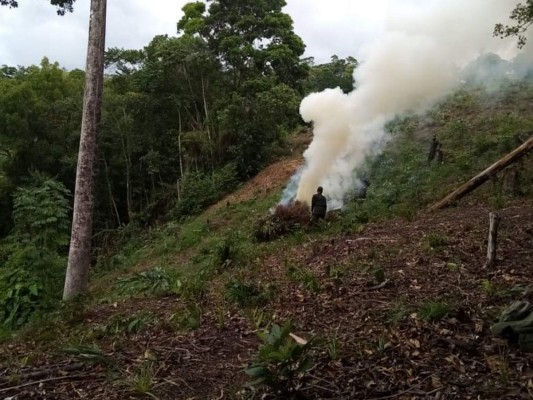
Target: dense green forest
{"type": "Point", "coordinates": [184, 121]}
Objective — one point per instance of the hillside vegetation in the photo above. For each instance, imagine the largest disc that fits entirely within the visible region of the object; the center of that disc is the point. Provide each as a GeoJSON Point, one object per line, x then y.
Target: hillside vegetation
{"type": "Point", "coordinates": [385, 299]}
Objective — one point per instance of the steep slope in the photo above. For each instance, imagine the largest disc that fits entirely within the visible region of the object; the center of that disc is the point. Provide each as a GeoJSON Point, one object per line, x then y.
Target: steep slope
{"type": "Point", "coordinates": [397, 295]}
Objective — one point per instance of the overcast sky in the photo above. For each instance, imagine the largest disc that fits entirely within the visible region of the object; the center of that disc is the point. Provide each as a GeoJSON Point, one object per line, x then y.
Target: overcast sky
{"type": "Point", "coordinates": [33, 31]}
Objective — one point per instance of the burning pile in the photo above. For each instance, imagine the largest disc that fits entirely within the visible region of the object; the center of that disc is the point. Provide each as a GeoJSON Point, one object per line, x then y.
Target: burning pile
{"type": "Point", "coordinates": [284, 219]}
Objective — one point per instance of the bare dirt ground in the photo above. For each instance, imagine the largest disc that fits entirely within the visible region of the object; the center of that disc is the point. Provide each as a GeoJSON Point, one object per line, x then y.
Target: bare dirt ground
{"type": "Point", "coordinates": [273, 177]}
{"type": "Point", "coordinates": [386, 348]}
{"type": "Point", "coordinates": [270, 179]}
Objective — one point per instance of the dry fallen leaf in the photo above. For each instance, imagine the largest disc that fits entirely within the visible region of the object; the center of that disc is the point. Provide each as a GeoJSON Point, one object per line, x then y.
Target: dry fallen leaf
{"type": "Point", "coordinates": [298, 339]}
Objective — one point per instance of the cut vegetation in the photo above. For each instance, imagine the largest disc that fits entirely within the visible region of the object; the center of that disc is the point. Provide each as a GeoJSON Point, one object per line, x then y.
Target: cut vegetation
{"type": "Point", "coordinates": [382, 300]}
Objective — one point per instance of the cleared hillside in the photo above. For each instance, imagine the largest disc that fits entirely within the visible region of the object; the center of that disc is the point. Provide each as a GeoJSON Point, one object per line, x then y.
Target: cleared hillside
{"type": "Point", "coordinates": [396, 297]}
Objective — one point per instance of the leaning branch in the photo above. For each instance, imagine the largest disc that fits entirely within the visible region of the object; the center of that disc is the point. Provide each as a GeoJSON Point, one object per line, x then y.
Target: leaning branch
{"type": "Point", "coordinates": [484, 176]}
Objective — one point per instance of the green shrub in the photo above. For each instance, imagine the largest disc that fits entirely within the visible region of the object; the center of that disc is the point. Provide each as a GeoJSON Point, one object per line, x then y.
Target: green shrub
{"type": "Point", "coordinates": [244, 294]}
{"type": "Point", "coordinates": [228, 250]}
{"type": "Point", "coordinates": [41, 213]}
{"type": "Point", "coordinates": [33, 265]}
{"type": "Point", "coordinates": [281, 362]}
{"type": "Point", "coordinates": [199, 190]}
{"type": "Point", "coordinates": [31, 280]}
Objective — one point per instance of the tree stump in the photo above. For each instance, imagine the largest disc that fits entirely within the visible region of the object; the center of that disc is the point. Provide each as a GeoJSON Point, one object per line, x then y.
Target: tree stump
{"type": "Point", "coordinates": [494, 220]}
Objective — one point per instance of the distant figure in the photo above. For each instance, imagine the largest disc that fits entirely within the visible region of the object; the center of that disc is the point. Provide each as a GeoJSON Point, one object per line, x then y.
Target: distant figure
{"type": "Point", "coordinates": [361, 193]}
{"type": "Point", "coordinates": [440, 155]}
{"type": "Point", "coordinates": [319, 206]}
{"type": "Point", "coordinates": [433, 149]}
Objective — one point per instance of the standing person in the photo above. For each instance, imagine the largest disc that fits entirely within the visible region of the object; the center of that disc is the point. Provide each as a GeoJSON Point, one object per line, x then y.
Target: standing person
{"type": "Point", "coordinates": [318, 205]}
{"type": "Point", "coordinates": [433, 149]}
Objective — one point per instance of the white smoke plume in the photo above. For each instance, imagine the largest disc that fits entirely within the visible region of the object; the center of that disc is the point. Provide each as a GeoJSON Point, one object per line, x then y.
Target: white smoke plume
{"type": "Point", "coordinates": [415, 63]}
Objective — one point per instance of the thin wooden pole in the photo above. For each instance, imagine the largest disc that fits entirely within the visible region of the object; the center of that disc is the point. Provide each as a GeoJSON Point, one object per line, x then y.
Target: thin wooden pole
{"type": "Point", "coordinates": [494, 220]}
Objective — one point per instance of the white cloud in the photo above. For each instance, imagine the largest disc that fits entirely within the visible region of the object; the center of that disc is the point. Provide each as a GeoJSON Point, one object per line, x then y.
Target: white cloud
{"type": "Point", "coordinates": [34, 30]}
{"type": "Point", "coordinates": [327, 27]}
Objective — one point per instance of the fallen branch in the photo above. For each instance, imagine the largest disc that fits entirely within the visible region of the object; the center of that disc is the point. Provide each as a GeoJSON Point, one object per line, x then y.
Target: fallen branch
{"type": "Point", "coordinates": [57, 378]}
{"type": "Point", "coordinates": [484, 176]}
{"type": "Point", "coordinates": [380, 286]}
{"type": "Point", "coordinates": [410, 390]}
{"type": "Point", "coordinates": [44, 372]}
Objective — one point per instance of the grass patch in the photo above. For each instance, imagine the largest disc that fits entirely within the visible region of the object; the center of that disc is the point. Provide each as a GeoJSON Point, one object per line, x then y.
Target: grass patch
{"type": "Point", "coordinates": [434, 310]}
{"type": "Point", "coordinates": [435, 241]}
{"type": "Point", "coordinates": [244, 294]}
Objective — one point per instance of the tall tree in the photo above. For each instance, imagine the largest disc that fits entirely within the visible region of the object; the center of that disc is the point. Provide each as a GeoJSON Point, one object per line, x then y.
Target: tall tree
{"type": "Point", "coordinates": [259, 53]}
{"type": "Point", "coordinates": [337, 73]}
{"type": "Point", "coordinates": [79, 259]}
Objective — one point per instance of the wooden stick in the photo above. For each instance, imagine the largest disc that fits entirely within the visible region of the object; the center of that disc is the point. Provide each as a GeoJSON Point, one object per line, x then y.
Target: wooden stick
{"type": "Point", "coordinates": [44, 372]}
{"type": "Point", "coordinates": [57, 378]}
{"type": "Point", "coordinates": [494, 220]}
{"type": "Point", "coordinates": [484, 176]}
{"type": "Point", "coordinates": [380, 286]}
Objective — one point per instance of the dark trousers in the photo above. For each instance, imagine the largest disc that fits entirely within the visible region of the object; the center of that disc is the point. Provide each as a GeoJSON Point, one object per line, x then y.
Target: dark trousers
{"type": "Point", "coordinates": [317, 217]}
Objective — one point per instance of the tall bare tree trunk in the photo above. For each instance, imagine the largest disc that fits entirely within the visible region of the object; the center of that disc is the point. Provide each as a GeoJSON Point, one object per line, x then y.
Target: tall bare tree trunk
{"type": "Point", "coordinates": [79, 257]}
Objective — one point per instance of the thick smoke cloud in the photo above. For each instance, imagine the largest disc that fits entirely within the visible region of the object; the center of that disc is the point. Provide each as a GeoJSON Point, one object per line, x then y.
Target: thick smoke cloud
{"type": "Point", "coordinates": [414, 64]}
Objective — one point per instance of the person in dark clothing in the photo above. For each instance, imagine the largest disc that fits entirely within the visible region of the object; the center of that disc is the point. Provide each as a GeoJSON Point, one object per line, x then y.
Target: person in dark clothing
{"type": "Point", "coordinates": [433, 149]}
{"type": "Point", "coordinates": [318, 206]}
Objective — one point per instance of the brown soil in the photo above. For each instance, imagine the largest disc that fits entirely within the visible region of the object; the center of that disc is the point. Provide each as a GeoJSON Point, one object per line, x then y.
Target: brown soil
{"type": "Point", "coordinates": [387, 349]}
{"type": "Point", "coordinates": [270, 179]}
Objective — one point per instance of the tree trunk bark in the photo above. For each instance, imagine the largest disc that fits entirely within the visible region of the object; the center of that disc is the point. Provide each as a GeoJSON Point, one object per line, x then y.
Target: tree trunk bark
{"type": "Point", "coordinates": [493, 239]}
{"type": "Point", "coordinates": [482, 177]}
{"type": "Point", "coordinates": [79, 258]}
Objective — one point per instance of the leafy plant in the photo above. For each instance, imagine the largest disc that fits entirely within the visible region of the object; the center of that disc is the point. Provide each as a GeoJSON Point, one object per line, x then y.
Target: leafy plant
{"type": "Point", "coordinates": [244, 294]}
{"type": "Point", "coordinates": [41, 212]}
{"type": "Point", "coordinates": [28, 283]}
{"type": "Point", "coordinates": [89, 354]}
{"type": "Point", "coordinates": [436, 240]}
{"type": "Point", "coordinates": [154, 281]}
{"type": "Point", "coordinates": [258, 317]}
{"type": "Point", "coordinates": [123, 324]}
{"type": "Point", "coordinates": [189, 317]}
{"type": "Point", "coordinates": [487, 287]}
{"type": "Point", "coordinates": [282, 360]}
{"type": "Point", "coordinates": [226, 251]}
{"type": "Point", "coordinates": [307, 278]}
{"type": "Point", "coordinates": [398, 311]}
{"type": "Point", "coordinates": [333, 348]}
{"type": "Point", "coordinates": [382, 344]}
{"type": "Point", "coordinates": [379, 275]}
{"type": "Point", "coordinates": [33, 269]}
{"type": "Point", "coordinates": [143, 381]}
